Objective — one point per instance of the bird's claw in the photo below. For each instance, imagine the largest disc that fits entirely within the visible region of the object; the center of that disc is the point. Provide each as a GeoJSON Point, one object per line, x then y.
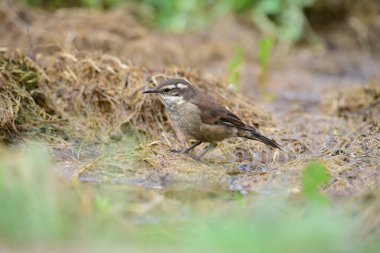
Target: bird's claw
{"type": "Point", "coordinates": [175, 151]}
{"type": "Point", "coordinates": [186, 152]}
{"type": "Point", "coordinates": [196, 158]}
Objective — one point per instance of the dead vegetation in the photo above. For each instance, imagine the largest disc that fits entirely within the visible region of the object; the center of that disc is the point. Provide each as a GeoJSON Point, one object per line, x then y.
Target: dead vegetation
{"type": "Point", "coordinates": [100, 93]}
{"type": "Point", "coordinates": [105, 96]}
{"type": "Point", "coordinates": [69, 84]}
{"type": "Point", "coordinates": [362, 101]}
{"type": "Point", "coordinates": [21, 97]}
{"type": "Point", "coordinates": [347, 21]}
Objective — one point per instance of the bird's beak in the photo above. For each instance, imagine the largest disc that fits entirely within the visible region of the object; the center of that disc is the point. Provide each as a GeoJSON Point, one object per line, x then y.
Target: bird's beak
{"type": "Point", "coordinates": [150, 91]}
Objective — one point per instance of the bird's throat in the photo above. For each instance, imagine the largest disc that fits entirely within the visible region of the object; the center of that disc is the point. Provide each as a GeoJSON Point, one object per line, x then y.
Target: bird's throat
{"type": "Point", "coordinates": [172, 101]}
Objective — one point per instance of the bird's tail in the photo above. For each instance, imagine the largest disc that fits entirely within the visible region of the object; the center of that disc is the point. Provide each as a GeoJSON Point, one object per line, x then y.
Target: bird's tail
{"type": "Point", "coordinates": [254, 135]}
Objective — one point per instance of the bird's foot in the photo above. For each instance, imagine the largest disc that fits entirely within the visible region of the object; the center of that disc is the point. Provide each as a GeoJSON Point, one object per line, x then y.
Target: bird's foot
{"type": "Point", "coordinates": [186, 152]}
{"type": "Point", "coordinates": [197, 158]}
{"type": "Point", "coordinates": [175, 151]}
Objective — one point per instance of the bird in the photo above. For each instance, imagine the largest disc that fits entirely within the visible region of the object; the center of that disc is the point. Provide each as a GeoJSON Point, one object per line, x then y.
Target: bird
{"type": "Point", "coordinates": [201, 118]}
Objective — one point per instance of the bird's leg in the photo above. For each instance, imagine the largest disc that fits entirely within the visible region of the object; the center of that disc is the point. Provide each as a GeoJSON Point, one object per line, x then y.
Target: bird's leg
{"type": "Point", "coordinates": [186, 151]}
{"type": "Point", "coordinates": [211, 146]}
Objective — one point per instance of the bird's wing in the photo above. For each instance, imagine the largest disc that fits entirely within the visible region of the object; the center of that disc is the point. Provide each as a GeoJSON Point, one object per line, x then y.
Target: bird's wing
{"type": "Point", "coordinates": [215, 114]}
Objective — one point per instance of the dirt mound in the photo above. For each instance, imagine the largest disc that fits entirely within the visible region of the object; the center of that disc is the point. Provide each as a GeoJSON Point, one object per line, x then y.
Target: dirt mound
{"type": "Point", "coordinates": [100, 93]}
{"type": "Point", "coordinates": [22, 95]}
{"type": "Point", "coordinates": [119, 32]}
{"type": "Point", "coordinates": [361, 101]}
{"type": "Point", "coordinates": [347, 23]}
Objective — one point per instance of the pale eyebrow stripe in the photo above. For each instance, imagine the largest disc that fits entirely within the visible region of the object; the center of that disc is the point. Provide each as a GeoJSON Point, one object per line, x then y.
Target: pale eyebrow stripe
{"type": "Point", "coordinates": [181, 86]}
{"type": "Point", "coordinates": [171, 86]}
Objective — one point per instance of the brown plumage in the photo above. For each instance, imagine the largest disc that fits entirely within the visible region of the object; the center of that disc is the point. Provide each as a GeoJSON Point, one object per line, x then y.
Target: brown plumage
{"type": "Point", "coordinates": [201, 118]}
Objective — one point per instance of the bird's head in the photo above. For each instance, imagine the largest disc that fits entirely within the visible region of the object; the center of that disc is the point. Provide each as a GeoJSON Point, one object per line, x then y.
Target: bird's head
{"type": "Point", "coordinates": [173, 90]}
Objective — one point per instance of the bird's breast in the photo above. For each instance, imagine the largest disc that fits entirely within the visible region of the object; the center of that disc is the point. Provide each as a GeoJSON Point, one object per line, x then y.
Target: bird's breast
{"type": "Point", "coordinates": [184, 115]}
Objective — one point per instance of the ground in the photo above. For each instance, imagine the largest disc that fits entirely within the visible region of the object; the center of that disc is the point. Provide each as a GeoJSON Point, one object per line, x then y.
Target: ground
{"type": "Point", "coordinates": [73, 79]}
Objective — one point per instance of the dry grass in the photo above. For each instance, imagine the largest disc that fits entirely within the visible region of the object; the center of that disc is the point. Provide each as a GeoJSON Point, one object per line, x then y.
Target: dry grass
{"type": "Point", "coordinates": [22, 100]}
{"type": "Point", "coordinates": [362, 101]}
{"type": "Point", "coordinates": [93, 97]}
{"type": "Point", "coordinates": [69, 84]}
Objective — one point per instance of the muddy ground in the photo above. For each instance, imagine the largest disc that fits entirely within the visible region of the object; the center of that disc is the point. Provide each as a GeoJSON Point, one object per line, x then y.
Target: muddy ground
{"type": "Point", "coordinates": [73, 79]}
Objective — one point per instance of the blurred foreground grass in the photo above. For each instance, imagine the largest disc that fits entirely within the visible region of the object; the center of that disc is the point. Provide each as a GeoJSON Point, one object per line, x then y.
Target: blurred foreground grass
{"type": "Point", "coordinates": [37, 208]}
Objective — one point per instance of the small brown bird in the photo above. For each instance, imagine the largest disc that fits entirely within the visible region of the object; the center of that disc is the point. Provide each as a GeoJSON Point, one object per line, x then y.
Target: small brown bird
{"type": "Point", "coordinates": [201, 118]}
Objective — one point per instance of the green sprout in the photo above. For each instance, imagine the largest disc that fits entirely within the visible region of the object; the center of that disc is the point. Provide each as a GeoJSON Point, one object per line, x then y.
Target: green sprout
{"type": "Point", "coordinates": [313, 177]}
{"type": "Point", "coordinates": [263, 56]}
{"type": "Point", "coordinates": [234, 68]}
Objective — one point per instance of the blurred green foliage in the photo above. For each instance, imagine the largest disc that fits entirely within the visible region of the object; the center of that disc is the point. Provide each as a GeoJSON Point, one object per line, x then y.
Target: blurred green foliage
{"type": "Point", "coordinates": [283, 19]}
{"type": "Point", "coordinates": [313, 177]}
{"type": "Point", "coordinates": [234, 68]}
{"type": "Point", "coordinates": [37, 208]}
{"type": "Point", "coordinates": [273, 226]}
{"type": "Point", "coordinates": [263, 56]}
{"type": "Point", "coordinates": [30, 208]}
